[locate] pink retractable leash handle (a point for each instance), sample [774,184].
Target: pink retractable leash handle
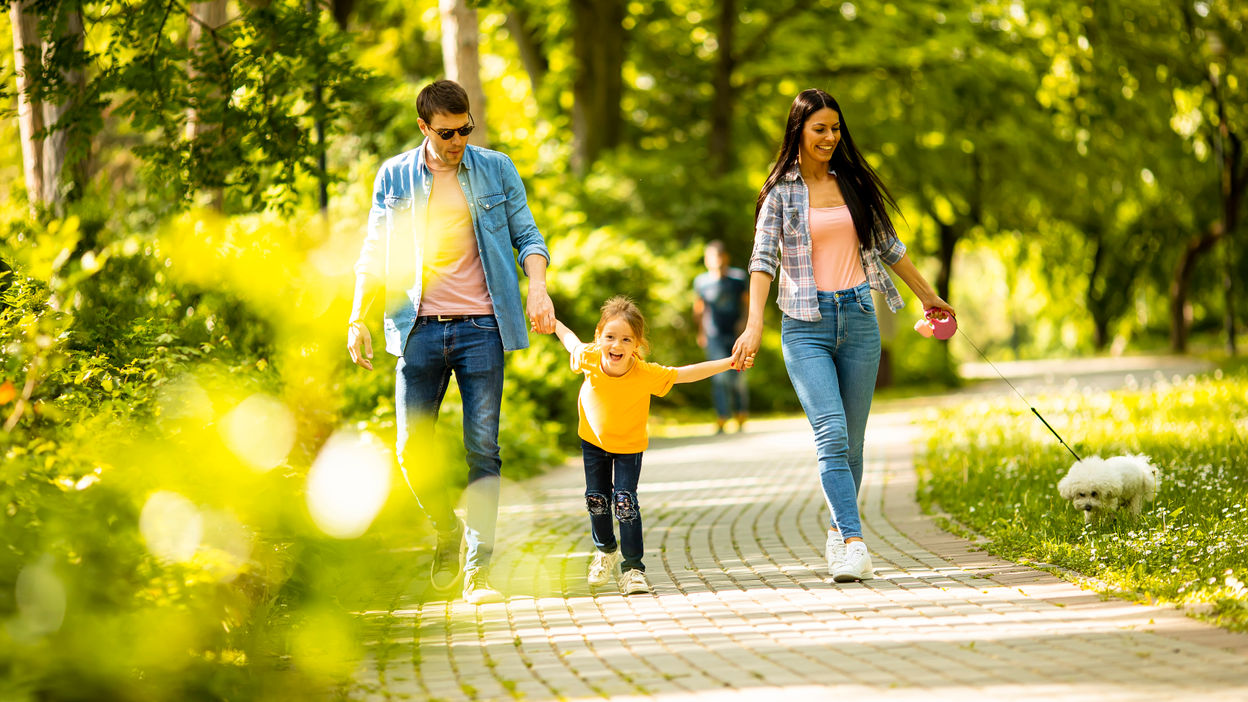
[938,323]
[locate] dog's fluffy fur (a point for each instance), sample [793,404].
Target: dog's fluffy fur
[1100,487]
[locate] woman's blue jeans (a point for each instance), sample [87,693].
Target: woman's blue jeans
[473,350]
[833,364]
[611,480]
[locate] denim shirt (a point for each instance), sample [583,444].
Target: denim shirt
[782,240]
[501,221]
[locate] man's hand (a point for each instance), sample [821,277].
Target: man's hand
[360,345]
[541,310]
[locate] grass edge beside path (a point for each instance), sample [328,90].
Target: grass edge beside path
[993,469]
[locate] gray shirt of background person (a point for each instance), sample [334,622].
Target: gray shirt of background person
[722,300]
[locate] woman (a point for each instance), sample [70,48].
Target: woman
[821,219]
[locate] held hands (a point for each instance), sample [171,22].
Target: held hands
[745,348]
[541,310]
[360,344]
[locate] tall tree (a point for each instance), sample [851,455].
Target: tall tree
[27,58]
[461,54]
[599,43]
[206,52]
[48,43]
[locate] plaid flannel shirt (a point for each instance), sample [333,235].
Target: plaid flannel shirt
[782,240]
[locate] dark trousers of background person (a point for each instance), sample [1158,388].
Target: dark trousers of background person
[728,390]
[611,481]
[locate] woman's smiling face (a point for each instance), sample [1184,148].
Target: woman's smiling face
[820,136]
[618,342]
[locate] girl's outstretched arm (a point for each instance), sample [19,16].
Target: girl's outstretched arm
[566,336]
[697,371]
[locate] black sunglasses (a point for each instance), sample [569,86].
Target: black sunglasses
[464,131]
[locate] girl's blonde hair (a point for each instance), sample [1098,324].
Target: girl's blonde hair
[621,307]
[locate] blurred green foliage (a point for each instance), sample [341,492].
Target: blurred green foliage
[187,365]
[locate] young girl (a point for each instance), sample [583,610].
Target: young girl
[614,404]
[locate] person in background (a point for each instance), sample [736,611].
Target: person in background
[721,297]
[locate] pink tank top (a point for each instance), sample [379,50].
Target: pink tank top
[454,279]
[834,249]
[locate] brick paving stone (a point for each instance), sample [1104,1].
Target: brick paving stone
[743,607]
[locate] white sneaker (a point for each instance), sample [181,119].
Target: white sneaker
[602,567]
[633,582]
[477,589]
[834,550]
[856,566]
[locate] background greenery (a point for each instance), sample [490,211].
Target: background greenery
[172,309]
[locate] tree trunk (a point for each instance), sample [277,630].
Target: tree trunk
[201,131]
[57,184]
[530,48]
[461,57]
[27,57]
[723,156]
[1232,197]
[1181,284]
[1095,301]
[205,18]
[598,42]
[949,236]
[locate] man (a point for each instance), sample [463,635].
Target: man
[719,306]
[444,221]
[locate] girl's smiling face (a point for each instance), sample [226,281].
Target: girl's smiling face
[618,342]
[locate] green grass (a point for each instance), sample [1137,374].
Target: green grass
[992,466]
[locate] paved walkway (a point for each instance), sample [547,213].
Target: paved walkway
[743,609]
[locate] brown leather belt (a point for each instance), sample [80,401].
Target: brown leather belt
[448,317]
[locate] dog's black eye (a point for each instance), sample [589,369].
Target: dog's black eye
[1081,494]
[1094,493]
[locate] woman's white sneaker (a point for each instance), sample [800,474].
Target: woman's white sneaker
[834,550]
[856,566]
[602,567]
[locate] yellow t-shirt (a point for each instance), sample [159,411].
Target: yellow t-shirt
[614,410]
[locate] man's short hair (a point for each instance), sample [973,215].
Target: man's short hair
[715,244]
[445,96]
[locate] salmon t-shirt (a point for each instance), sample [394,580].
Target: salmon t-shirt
[454,279]
[613,409]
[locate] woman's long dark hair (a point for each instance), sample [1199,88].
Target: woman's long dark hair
[864,192]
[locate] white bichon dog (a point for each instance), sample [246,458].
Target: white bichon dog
[1099,487]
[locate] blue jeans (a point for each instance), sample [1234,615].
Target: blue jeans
[728,390]
[473,350]
[616,475]
[833,364]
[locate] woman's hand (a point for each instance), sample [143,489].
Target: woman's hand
[746,347]
[935,302]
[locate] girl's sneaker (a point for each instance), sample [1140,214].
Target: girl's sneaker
[633,582]
[602,567]
[856,566]
[834,550]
